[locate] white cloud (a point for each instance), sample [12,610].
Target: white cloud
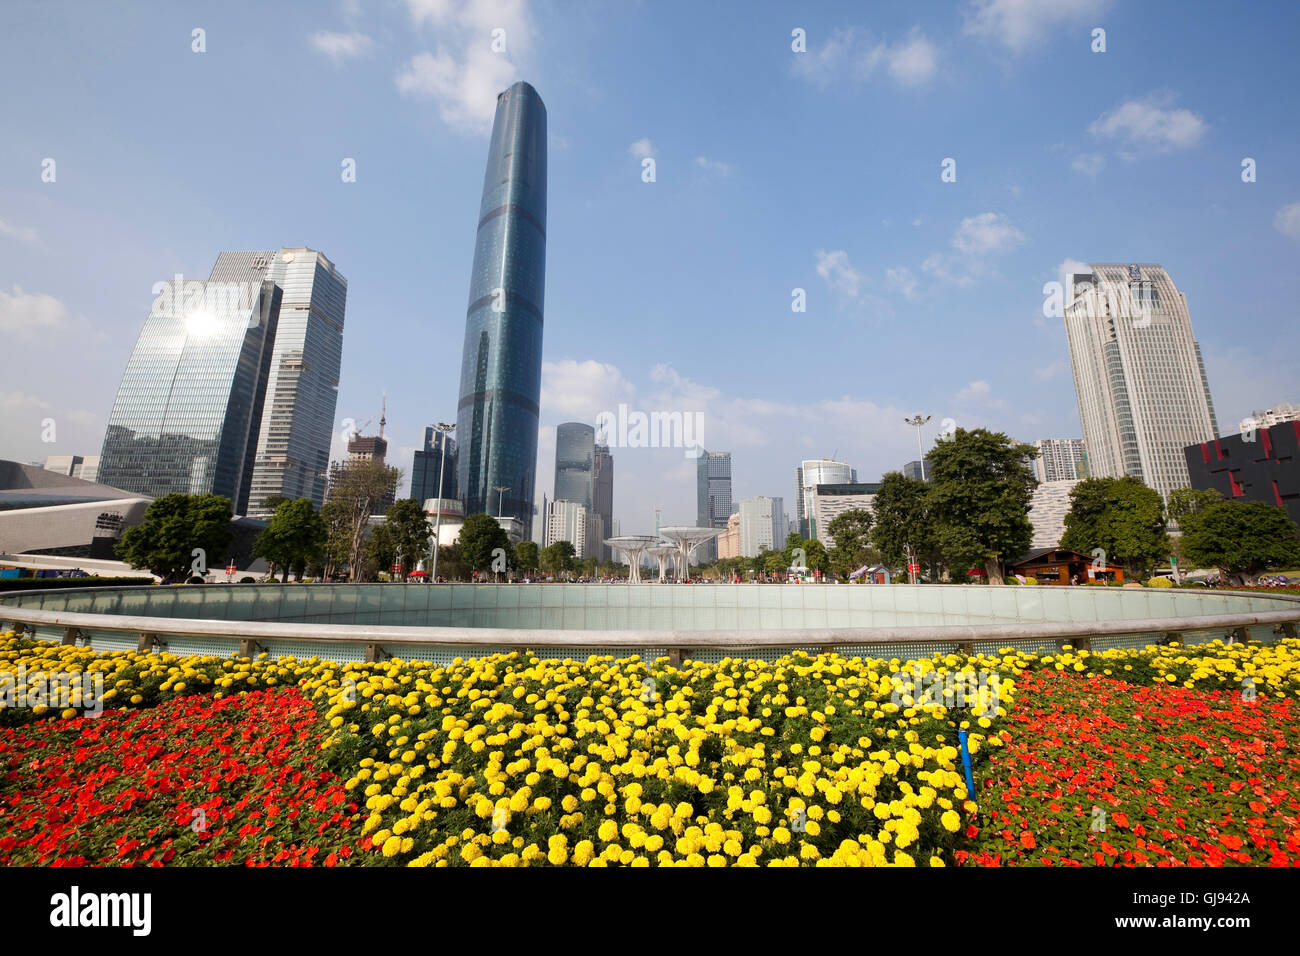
[979,394]
[1090,164]
[985,234]
[642,148]
[1151,123]
[340,46]
[21,233]
[23,313]
[1287,220]
[1021,24]
[712,165]
[914,60]
[1049,372]
[464,75]
[838,272]
[1070,267]
[579,391]
[975,240]
[902,280]
[847,54]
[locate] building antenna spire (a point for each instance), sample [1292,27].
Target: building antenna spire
[383,413]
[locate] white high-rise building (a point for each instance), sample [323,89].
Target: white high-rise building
[1047,510]
[567,521]
[761,522]
[810,474]
[1285,412]
[1061,459]
[1138,374]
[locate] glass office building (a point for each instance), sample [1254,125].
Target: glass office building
[501,366]
[215,400]
[575,460]
[302,387]
[429,468]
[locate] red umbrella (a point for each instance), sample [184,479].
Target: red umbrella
[979,572]
[417,574]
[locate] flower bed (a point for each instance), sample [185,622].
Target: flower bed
[1098,772]
[194,781]
[517,761]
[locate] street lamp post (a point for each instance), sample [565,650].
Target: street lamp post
[445,430]
[919,421]
[500,490]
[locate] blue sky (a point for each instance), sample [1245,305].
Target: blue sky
[775,170]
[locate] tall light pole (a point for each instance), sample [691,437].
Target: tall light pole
[500,490]
[919,421]
[444,429]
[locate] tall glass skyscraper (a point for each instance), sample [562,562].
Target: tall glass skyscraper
[231,387]
[1138,374]
[712,497]
[575,463]
[429,469]
[501,366]
[302,386]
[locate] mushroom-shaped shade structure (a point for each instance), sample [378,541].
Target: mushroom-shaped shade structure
[687,539]
[632,546]
[661,552]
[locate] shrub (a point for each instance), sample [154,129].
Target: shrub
[1031,580]
[1160,582]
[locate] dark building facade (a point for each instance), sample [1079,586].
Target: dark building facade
[429,469]
[501,365]
[1266,469]
[603,498]
[575,463]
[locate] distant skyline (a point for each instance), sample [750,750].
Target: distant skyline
[774,171]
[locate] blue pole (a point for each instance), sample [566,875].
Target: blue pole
[965,762]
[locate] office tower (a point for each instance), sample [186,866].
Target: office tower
[575,478]
[831,501]
[293,442]
[567,521]
[433,466]
[918,470]
[1047,510]
[603,499]
[1061,459]
[810,474]
[761,522]
[1138,374]
[231,387]
[188,410]
[729,540]
[712,498]
[501,365]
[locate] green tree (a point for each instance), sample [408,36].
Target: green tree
[775,562]
[379,552]
[1185,501]
[451,564]
[409,530]
[481,540]
[981,483]
[851,532]
[294,538]
[558,558]
[356,489]
[177,531]
[903,519]
[527,556]
[1122,517]
[1241,538]
[338,537]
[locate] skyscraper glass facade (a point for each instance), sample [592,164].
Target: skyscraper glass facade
[575,463]
[293,442]
[231,387]
[501,365]
[429,469]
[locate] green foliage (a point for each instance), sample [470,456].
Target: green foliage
[1159,582]
[851,532]
[356,490]
[1123,517]
[1185,501]
[527,556]
[558,558]
[902,517]
[174,526]
[408,530]
[981,483]
[1242,538]
[774,562]
[294,538]
[480,537]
